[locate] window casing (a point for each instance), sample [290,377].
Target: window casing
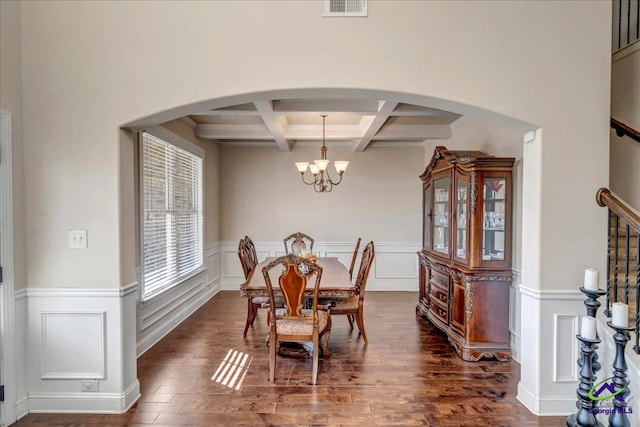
[172,217]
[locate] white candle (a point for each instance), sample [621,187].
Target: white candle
[620,314]
[591,279]
[588,329]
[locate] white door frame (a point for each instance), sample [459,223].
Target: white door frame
[7,317]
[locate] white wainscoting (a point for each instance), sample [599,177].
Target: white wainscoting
[549,322]
[21,394]
[395,266]
[158,316]
[66,336]
[87,341]
[514,315]
[74,335]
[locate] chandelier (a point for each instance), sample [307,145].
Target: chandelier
[322,182]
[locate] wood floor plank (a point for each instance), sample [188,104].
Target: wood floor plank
[408,375]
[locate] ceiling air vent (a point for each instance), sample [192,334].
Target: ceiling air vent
[345,8]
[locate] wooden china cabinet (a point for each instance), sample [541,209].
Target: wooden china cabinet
[465,261]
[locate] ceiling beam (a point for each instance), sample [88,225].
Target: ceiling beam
[211,131]
[414,132]
[276,124]
[292,107]
[371,125]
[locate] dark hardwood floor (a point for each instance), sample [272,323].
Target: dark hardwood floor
[407,375]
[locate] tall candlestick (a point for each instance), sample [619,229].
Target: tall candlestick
[620,315]
[588,329]
[591,279]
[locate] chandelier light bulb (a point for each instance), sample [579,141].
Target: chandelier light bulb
[322,164]
[341,166]
[302,166]
[314,168]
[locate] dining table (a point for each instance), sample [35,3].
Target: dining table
[334,283]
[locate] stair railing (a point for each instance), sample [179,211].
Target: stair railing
[623,234]
[622,130]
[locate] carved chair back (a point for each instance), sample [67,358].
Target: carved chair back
[292,283]
[246,253]
[353,259]
[365,266]
[296,242]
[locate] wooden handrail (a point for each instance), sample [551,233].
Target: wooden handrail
[622,130]
[604,197]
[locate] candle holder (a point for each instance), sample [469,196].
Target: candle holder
[593,305]
[585,416]
[619,417]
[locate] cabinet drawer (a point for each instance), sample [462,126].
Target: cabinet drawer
[439,311]
[440,279]
[440,294]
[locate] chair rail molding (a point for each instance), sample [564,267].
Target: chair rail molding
[395,266]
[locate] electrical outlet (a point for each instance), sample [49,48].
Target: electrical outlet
[90,386]
[77,239]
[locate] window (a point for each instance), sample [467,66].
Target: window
[171,209]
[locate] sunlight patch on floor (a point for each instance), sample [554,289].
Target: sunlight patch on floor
[232,369]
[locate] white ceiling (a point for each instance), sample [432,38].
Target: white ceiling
[359,123]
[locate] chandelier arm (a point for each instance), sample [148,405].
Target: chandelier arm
[303,180]
[332,181]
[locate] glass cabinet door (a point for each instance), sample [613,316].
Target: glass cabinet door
[441,215]
[493,219]
[426,239]
[462,219]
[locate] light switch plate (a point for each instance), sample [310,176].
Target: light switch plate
[77,239]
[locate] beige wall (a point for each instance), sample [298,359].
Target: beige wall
[625,107]
[264,197]
[90,67]
[11,100]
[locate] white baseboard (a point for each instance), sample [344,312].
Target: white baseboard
[84,403]
[22,406]
[547,405]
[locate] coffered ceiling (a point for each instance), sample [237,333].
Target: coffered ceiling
[358,123]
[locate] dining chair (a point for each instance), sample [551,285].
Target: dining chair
[297,242]
[353,258]
[293,323]
[353,307]
[249,260]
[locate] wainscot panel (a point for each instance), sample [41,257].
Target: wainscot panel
[76,336]
[158,316]
[550,317]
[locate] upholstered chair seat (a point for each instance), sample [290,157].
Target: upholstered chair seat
[350,303]
[289,326]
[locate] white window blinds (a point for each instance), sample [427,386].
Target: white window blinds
[172,214]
